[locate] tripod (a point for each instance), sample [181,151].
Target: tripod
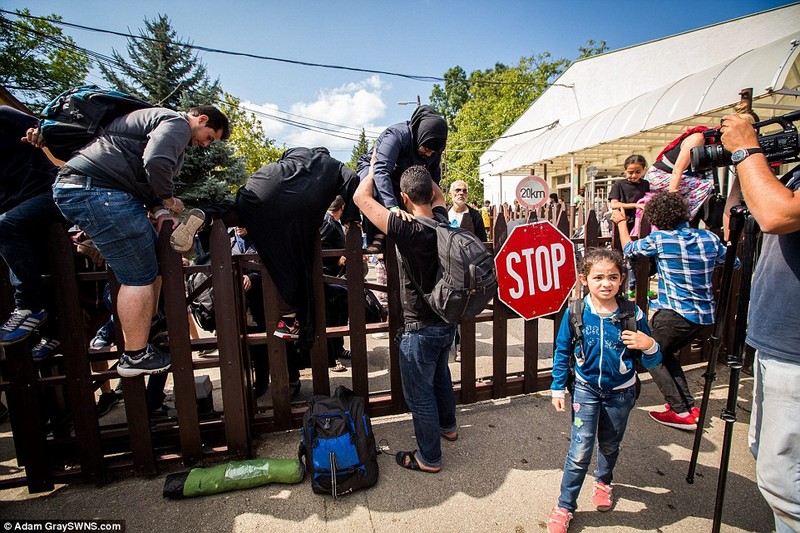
[740,221]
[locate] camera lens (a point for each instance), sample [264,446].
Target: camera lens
[708,157]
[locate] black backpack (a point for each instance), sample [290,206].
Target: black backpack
[626,318]
[78,115]
[466,280]
[338,445]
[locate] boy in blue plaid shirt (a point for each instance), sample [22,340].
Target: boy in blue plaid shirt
[685,258]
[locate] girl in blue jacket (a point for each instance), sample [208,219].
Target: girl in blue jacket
[605,381]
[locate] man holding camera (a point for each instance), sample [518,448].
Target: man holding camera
[773,329]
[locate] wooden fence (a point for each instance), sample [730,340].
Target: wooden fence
[56,432]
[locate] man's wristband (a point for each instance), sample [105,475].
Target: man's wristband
[161,212]
[394,209]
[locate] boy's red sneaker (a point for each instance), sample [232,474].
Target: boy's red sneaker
[694,410]
[602,497]
[672,419]
[558,521]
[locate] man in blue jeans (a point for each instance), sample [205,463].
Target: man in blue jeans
[113,187]
[26,213]
[426,339]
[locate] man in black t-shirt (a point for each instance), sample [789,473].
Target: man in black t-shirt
[426,339]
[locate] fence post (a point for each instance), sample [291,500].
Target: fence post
[499,325]
[395,323]
[77,367]
[231,368]
[319,350]
[173,288]
[357,312]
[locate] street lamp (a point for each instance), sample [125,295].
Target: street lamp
[416,103]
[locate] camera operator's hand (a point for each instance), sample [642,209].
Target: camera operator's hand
[738,132]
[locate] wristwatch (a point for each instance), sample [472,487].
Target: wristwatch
[743,153]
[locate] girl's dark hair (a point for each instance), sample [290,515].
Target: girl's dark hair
[634,160]
[592,256]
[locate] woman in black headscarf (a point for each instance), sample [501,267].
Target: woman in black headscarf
[418,141]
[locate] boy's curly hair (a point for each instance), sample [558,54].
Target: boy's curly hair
[666,210]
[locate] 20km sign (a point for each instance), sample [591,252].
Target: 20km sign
[532,192]
[535,270]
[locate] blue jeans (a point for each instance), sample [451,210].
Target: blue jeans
[23,239]
[118,224]
[428,388]
[599,414]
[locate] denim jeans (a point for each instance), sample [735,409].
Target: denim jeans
[774,437]
[600,415]
[428,387]
[672,332]
[118,224]
[23,240]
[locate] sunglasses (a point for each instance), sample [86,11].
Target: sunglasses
[460,190]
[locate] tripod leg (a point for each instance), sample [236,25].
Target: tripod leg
[736,227]
[735,362]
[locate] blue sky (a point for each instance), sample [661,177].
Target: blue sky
[418,37]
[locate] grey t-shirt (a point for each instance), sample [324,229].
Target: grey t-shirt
[774,322]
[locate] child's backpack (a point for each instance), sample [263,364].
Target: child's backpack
[338,445]
[627,319]
[466,280]
[78,115]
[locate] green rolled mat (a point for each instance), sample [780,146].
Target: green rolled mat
[235,475]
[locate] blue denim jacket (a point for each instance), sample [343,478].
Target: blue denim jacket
[606,362]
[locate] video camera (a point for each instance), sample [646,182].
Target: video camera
[782,146]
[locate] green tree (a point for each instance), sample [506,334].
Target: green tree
[449,100]
[162,70]
[248,138]
[358,150]
[496,98]
[479,108]
[37,61]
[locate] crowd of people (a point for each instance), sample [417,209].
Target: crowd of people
[120,188]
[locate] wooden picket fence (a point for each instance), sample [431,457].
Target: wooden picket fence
[56,432]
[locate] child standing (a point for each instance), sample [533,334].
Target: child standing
[627,194]
[605,382]
[685,258]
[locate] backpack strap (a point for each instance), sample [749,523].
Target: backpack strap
[576,326]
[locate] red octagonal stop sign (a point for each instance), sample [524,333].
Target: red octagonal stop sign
[535,270]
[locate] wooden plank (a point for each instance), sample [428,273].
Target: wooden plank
[357,312]
[468,361]
[173,288]
[276,349]
[319,351]
[395,324]
[77,367]
[229,324]
[531,355]
[499,327]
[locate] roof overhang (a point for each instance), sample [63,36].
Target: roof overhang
[654,118]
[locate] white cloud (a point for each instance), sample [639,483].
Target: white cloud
[335,117]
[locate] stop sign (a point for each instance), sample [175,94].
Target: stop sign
[535,270]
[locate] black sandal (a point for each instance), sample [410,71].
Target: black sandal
[412,463]
[377,244]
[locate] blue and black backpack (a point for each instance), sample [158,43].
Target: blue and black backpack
[78,115]
[338,445]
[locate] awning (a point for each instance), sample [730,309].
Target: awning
[653,119]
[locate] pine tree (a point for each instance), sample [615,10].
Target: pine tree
[161,69]
[359,149]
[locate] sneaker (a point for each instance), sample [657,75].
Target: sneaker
[672,419]
[153,361]
[558,521]
[20,324]
[602,497]
[288,330]
[694,410]
[45,348]
[182,238]
[99,342]
[106,401]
